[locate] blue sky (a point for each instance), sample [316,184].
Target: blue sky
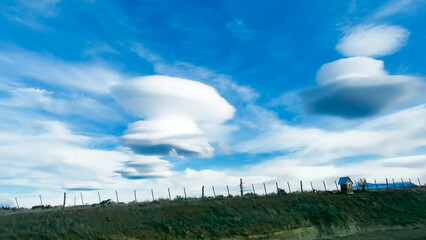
[106,95]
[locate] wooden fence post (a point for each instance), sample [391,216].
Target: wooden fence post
[252,185]
[17,204]
[403,185]
[387,184]
[289,189]
[264,186]
[394,186]
[241,187]
[411,184]
[277,186]
[184,192]
[325,187]
[214,193]
[116,195]
[170,196]
[152,193]
[377,187]
[41,201]
[202,192]
[419,182]
[136,199]
[65,197]
[227,188]
[336,186]
[312,186]
[81,196]
[99,196]
[301,186]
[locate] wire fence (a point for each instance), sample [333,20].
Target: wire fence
[74,198]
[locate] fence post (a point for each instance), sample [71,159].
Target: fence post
[152,193]
[277,186]
[81,196]
[301,186]
[336,186]
[419,182]
[214,193]
[387,184]
[184,192]
[116,195]
[202,192]
[170,196]
[411,184]
[99,196]
[227,188]
[264,186]
[394,186]
[289,190]
[17,204]
[376,184]
[136,199]
[252,185]
[325,188]
[366,184]
[403,185]
[41,201]
[312,186]
[65,197]
[241,187]
[75,200]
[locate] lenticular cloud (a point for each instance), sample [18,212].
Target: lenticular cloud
[359,87]
[372,40]
[172,108]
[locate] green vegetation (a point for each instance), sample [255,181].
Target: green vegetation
[290,216]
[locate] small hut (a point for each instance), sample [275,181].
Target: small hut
[346,185]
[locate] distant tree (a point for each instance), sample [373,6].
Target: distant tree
[362,182]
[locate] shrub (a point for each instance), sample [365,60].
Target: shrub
[362,182]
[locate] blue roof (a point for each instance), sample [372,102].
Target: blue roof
[343,180]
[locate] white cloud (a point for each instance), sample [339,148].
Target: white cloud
[166,133]
[175,110]
[354,68]
[18,64]
[372,40]
[48,154]
[223,83]
[360,87]
[146,167]
[162,95]
[393,7]
[30,13]
[77,104]
[392,135]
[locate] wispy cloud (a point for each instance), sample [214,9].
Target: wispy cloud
[372,40]
[31,13]
[390,135]
[63,105]
[19,64]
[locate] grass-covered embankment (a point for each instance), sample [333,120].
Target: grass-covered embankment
[308,215]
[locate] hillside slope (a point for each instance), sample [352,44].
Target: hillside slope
[291,216]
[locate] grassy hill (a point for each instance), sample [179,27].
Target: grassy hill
[291,216]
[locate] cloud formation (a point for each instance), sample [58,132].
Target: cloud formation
[359,87]
[177,113]
[21,65]
[391,135]
[83,186]
[145,167]
[372,40]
